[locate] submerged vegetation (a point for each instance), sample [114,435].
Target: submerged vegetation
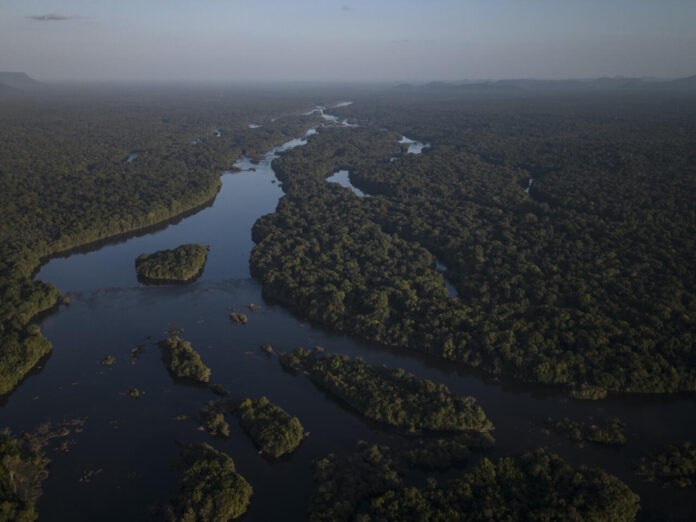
[612,434]
[181,264]
[210,489]
[273,430]
[183,361]
[22,470]
[675,465]
[390,396]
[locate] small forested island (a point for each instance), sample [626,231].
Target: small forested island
[183,361]
[181,264]
[612,434]
[674,465]
[210,489]
[273,430]
[22,470]
[534,486]
[212,418]
[390,396]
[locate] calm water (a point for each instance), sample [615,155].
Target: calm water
[130,443]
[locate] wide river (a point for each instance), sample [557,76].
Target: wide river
[121,467]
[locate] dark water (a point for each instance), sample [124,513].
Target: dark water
[130,443]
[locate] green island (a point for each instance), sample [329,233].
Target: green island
[238,318]
[210,489]
[212,418]
[390,396]
[22,470]
[183,361]
[674,465]
[534,486]
[274,431]
[63,185]
[181,264]
[612,434]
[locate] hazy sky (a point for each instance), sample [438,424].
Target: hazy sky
[361,40]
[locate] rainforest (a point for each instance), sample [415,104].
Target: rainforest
[494,288]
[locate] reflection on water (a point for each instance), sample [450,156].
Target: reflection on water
[342,178]
[414,147]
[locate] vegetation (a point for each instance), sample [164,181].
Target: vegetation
[342,483]
[238,318]
[675,465]
[586,281]
[219,389]
[108,360]
[273,430]
[181,264]
[390,396]
[22,470]
[213,419]
[612,434]
[535,486]
[63,181]
[183,361]
[438,453]
[210,489]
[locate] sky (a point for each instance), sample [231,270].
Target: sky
[346,40]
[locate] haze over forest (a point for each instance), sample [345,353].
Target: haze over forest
[345,40]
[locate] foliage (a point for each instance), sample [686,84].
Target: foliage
[212,418]
[586,280]
[390,396]
[345,482]
[535,486]
[675,465]
[612,434]
[22,470]
[183,361]
[273,430]
[210,489]
[440,453]
[238,318]
[183,263]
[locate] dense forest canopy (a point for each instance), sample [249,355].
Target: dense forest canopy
[210,489]
[534,486]
[22,470]
[587,279]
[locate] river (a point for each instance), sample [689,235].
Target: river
[128,444]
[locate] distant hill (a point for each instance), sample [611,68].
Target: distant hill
[529,83]
[19,80]
[682,83]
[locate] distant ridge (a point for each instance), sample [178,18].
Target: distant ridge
[19,80]
[525,83]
